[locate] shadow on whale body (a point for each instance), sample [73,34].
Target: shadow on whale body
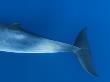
[20,41]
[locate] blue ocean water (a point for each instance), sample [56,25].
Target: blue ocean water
[59,20]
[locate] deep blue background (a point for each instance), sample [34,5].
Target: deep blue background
[59,20]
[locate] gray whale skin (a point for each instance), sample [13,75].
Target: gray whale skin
[15,39]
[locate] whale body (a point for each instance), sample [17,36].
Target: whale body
[15,39]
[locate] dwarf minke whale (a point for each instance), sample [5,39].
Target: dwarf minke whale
[15,39]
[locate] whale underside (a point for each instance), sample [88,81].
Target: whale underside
[13,38]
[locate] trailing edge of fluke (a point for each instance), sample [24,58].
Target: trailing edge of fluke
[84,54]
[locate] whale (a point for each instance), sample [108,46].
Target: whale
[15,39]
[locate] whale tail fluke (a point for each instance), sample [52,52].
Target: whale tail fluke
[83,54]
